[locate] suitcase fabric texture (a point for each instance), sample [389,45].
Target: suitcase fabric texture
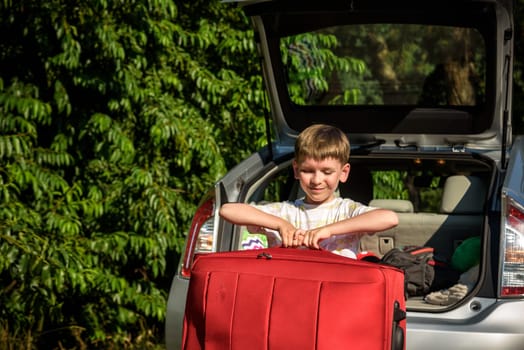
[283,298]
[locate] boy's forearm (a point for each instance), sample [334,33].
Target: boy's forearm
[245,214]
[372,221]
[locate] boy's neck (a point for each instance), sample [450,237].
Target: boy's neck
[311,202]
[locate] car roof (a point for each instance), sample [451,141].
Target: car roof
[483,126]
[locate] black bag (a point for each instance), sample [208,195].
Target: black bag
[418,266]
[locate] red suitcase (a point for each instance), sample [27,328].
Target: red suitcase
[281,298]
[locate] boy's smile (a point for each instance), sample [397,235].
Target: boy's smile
[319,178]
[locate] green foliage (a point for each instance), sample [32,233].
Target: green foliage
[390,184]
[115,119]
[310,59]
[401,185]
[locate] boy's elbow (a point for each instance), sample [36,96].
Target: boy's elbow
[388,218]
[393,219]
[231,211]
[224,210]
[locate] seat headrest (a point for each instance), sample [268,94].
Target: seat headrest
[397,205]
[463,195]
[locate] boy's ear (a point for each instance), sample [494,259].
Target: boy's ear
[346,168]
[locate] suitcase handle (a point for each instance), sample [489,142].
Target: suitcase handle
[398,341]
[266,255]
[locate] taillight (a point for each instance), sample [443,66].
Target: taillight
[513,249]
[200,236]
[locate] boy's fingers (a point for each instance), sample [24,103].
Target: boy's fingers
[288,239]
[297,238]
[312,240]
[307,238]
[300,238]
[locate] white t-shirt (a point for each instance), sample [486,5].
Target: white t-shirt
[310,216]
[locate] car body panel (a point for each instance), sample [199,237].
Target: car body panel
[514,180]
[481,323]
[176,306]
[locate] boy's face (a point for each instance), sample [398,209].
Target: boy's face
[319,178]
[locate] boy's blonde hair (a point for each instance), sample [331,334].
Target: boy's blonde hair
[320,142]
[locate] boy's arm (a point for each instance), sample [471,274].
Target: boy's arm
[375,220]
[371,221]
[245,214]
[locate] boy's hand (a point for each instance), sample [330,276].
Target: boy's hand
[311,238]
[287,232]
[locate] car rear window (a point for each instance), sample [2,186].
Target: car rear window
[385,64]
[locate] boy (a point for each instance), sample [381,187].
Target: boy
[320,220]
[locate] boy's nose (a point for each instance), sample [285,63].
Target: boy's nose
[317,177]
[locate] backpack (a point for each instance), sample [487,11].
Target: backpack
[418,266]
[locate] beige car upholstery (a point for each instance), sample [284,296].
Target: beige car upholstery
[461,216]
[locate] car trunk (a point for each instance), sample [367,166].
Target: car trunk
[444,202]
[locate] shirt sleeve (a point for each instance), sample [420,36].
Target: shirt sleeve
[356,208]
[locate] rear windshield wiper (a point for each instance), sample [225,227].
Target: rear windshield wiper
[363,148]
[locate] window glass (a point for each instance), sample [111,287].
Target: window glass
[385,64]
